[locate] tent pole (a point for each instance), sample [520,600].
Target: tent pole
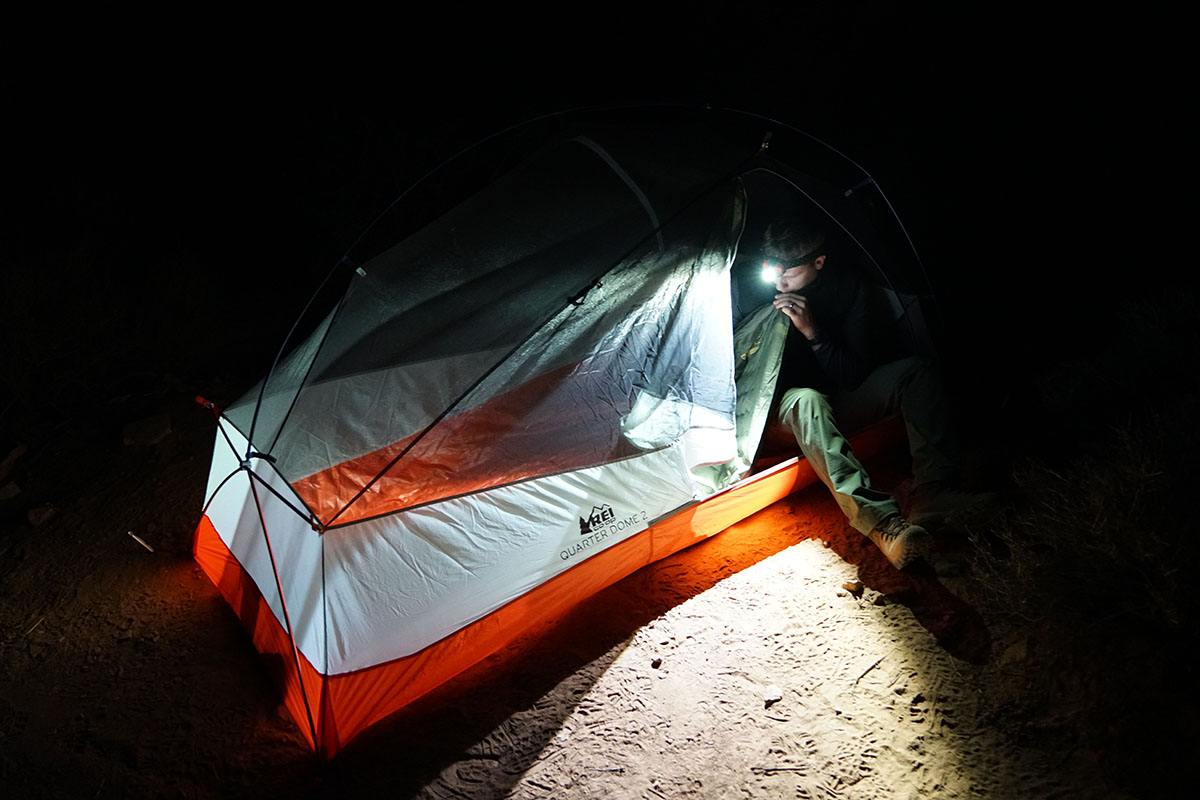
[286,617]
[306,513]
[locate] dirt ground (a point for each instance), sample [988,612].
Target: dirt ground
[783,658]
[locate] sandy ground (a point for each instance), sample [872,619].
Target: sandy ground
[783,658]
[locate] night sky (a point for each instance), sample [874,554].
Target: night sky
[169,207]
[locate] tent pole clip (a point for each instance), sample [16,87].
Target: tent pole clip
[865,182]
[255,454]
[345,261]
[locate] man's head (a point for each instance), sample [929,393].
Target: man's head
[793,254]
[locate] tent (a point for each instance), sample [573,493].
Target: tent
[522,396]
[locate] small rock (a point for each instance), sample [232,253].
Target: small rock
[1014,654]
[772,695]
[39,516]
[854,587]
[882,600]
[9,490]
[656,663]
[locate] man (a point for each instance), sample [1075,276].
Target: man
[837,374]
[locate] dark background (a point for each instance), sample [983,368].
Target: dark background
[172,201]
[174,187]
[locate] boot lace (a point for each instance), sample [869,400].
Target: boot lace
[893,527]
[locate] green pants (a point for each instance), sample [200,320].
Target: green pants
[911,387]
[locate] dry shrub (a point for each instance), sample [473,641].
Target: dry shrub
[1104,539]
[1096,559]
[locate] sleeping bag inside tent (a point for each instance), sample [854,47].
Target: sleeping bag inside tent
[521,401]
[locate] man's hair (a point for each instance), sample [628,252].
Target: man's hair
[793,239]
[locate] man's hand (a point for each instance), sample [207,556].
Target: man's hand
[795,307]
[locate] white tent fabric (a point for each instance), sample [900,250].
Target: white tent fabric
[291,541]
[387,586]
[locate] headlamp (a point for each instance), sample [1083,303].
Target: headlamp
[772,268]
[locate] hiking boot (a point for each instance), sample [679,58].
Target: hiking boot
[901,541]
[935,502]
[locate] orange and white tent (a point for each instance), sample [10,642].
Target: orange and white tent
[516,405]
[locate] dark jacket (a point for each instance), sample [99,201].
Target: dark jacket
[852,335]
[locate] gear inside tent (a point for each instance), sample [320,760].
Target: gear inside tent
[524,395]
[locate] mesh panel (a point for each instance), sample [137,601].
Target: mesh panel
[285,384]
[655,332]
